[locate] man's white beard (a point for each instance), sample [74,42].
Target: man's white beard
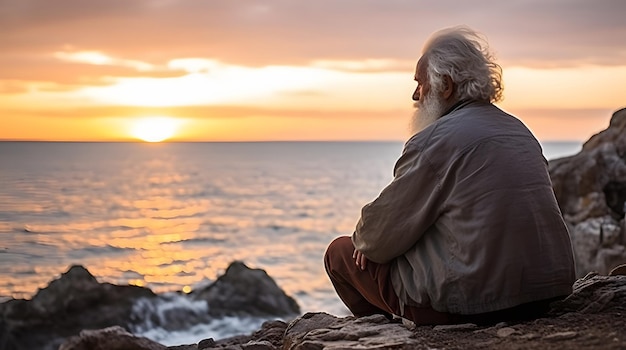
[429,109]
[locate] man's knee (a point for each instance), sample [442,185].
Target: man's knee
[337,250]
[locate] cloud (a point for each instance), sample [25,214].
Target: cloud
[13,87]
[294,32]
[67,70]
[197,112]
[66,45]
[365,65]
[100,59]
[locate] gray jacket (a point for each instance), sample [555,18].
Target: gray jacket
[470,223]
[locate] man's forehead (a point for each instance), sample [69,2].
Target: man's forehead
[420,68]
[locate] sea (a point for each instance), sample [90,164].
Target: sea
[172,216]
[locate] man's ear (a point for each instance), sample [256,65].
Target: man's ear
[448,87]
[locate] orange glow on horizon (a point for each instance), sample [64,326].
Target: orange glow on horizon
[327,100]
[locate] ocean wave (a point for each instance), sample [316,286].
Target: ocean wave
[168,311]
[201,240]
[219,328]
[174,319]
[105,250]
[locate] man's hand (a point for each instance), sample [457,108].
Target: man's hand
[359,259]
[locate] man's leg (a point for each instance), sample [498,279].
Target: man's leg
[369,291]
[358,289]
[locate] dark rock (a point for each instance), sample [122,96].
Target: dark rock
[69,304]
[258,345]
[618,270]
[455,327]
[245,291]
[206,343]
[591,190]
[271,331]
[593,294]
[184,347]
[270,335]
[112,338]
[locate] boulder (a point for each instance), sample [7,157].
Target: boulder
[269,337]
[69,304]
[112,338]
[598,244]
[244,291]
[592,183]
[591,190]
[593,294]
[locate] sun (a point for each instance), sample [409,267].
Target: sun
[154,129]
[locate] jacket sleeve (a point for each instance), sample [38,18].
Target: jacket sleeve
[404,210]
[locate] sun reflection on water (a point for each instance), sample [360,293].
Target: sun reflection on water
[173,217]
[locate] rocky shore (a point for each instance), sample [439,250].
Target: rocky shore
[592,317]
[76,312]
[76,301]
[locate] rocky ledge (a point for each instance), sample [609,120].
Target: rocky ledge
[591,190]
[592,317]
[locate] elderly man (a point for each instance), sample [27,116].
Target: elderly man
[469,229]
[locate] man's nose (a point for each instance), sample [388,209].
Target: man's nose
[416,95]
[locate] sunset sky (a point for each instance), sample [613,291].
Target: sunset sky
[237,70]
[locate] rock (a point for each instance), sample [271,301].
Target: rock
[245,291]
[592,294]
[591,190]
[206,343]
[561,336]
[258,345]
[69,304]
[505,332]
[184,347]
[112,338]
[530,336]
[598,244]
[456,327]
[618,270]
[324,331]
[271,333]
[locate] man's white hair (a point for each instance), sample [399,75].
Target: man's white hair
[463,54]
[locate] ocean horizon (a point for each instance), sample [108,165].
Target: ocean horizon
[172,216]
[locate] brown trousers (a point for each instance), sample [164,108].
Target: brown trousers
[367,292]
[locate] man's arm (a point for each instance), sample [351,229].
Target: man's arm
[396,220]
